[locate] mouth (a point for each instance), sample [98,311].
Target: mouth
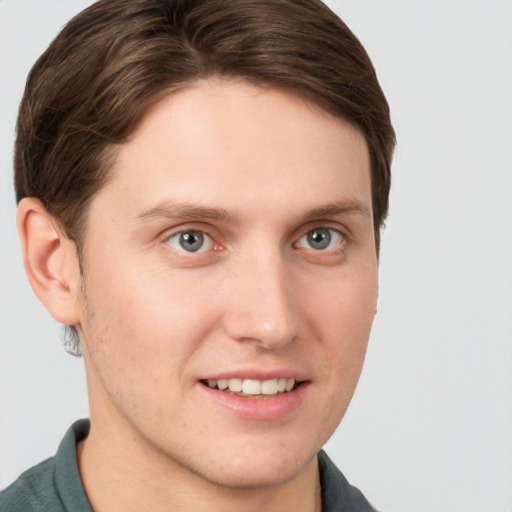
[252,387]
[254,399]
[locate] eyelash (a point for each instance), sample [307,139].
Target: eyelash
[331,234]
[197,232]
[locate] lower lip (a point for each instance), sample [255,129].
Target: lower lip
[259,408]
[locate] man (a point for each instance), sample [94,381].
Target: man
[201,187]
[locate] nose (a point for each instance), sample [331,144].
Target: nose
[262,304]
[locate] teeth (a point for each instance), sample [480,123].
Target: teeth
[269,387]
[253,386]
[235,385]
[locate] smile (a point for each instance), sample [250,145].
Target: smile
[257,399]
[252,387]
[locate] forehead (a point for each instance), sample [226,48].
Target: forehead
[234,144]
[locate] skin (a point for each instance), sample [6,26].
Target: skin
[255,171]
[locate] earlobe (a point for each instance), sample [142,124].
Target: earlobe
[50,261]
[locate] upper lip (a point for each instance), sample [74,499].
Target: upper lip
[258,374]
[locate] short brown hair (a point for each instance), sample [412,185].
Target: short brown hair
[90,88]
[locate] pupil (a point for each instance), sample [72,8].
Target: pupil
[319,238]
[191,241]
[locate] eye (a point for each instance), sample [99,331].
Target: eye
[321,239]
[190,241]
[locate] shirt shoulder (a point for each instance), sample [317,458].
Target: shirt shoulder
[337,494]
[54,485]
[33,491]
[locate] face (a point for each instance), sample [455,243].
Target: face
[230,283]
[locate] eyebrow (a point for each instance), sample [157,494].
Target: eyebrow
[343,207]
[185,210]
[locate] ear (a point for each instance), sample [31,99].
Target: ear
[50,259]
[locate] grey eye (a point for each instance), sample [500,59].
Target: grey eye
[320,239]
[190,241]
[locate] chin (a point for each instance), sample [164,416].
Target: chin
[249,474]
[261,467]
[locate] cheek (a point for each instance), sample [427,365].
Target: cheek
[342,315]
[140,334]
[347,301]
[145,320]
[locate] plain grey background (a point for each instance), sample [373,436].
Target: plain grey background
[430,425]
